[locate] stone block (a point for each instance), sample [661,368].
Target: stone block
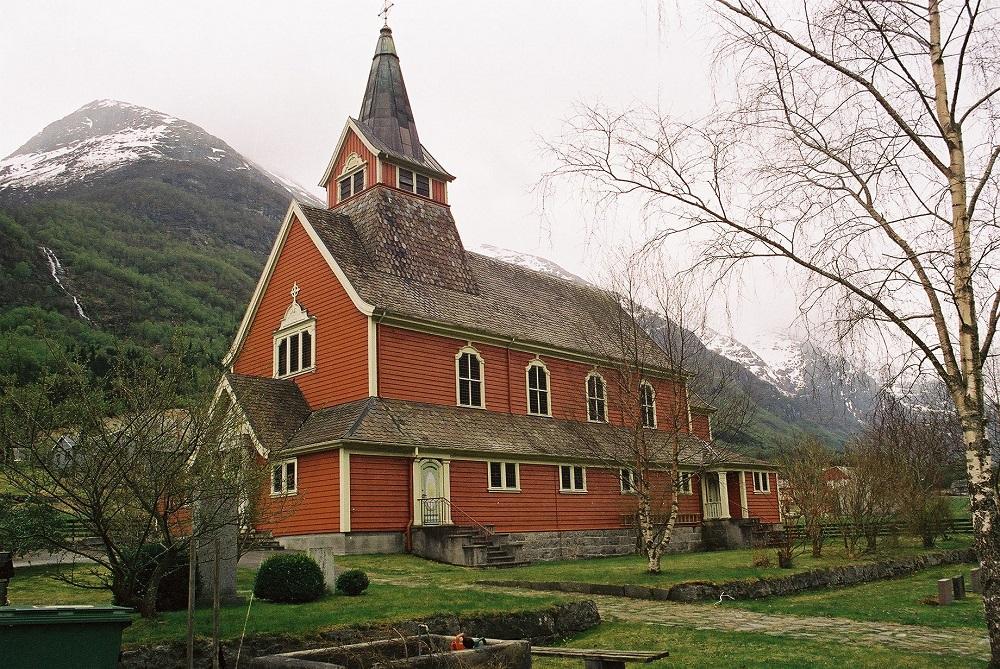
[976,580]
[946,591]
[958,586]
[324,557]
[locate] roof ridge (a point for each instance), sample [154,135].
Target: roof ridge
[365,410]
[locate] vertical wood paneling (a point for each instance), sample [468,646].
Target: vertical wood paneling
[341,372]
[380,493]
[439,191]
[315,507]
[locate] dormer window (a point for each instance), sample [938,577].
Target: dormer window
[294,341]
[414,182]
[352,184]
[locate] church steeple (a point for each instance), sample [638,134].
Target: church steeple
[381,147]
[385,109]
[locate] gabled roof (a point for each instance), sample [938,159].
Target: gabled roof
[275,408]
[389,422]
[403,255]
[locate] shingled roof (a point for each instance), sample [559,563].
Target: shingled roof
[275,408]
[403,254]
[402,423]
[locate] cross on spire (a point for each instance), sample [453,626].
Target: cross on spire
[386,6]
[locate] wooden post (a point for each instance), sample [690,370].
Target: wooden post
[976,580]
[946,591]
[192,580]
[958,586]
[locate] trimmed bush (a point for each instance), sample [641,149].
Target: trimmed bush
[352,582]
[289,577]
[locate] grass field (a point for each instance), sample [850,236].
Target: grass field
[698,648]
[405,587]
[895,600]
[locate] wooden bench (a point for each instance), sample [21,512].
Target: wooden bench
[594,658]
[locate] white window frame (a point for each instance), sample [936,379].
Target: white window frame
[684,486]
[503,476]
[285,488]
[624,473]
[281,335]
[573,480]
[350,175]
[761,482]
[430,182]
[469,350]
[548,388]
[604,399]
[642,405]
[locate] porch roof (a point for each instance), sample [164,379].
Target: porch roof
[396,423]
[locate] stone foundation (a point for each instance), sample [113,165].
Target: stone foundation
[351,543]
[575,544]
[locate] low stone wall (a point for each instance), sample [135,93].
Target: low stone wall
[575,544]
[693,591]
[540,626]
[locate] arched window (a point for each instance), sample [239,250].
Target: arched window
[469,378]
[597,399]
[647,404]
[538,389]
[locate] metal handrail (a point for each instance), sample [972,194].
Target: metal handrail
[452,508]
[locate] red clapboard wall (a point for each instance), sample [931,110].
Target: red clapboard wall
[341,371]
[380,493]
[763,505]
[315,507]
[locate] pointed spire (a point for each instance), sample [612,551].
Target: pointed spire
[385,109]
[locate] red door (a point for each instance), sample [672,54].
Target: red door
[733,490]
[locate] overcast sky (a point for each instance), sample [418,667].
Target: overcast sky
[276,80]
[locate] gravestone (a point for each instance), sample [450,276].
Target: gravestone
[958,586]
[225,537]
[946,591]
[976,580]
[324,557]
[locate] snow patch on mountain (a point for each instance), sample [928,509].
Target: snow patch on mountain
[107,135]
[740,353]
[532,262]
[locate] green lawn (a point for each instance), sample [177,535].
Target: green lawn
[895,600]
[382,602]
[718,566]
[697,648]
[960,507]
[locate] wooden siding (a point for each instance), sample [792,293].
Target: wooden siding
[439,191]
[700,425]
[763,505]
[539,506]
[352,144]
[341,365]
[420,367]
[380,493]
[733,492]
[315,507]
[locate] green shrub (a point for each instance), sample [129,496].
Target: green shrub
[289,577]
[352,582]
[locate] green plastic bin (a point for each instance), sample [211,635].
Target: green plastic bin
[54,637]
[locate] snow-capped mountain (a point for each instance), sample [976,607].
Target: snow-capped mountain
[106,136]
[533,262]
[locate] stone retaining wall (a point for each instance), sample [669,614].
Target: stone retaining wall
[575,544]
[694,591]
[541,626]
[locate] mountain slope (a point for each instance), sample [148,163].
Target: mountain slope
[122,228]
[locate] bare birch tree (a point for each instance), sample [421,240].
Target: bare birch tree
[804,465]
[862,150]
[653,323]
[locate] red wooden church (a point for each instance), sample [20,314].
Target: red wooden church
[412,395]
